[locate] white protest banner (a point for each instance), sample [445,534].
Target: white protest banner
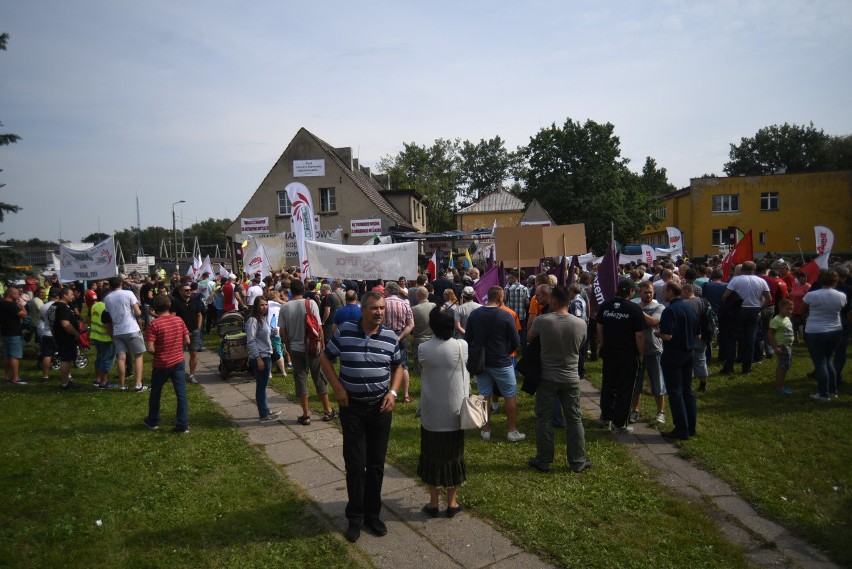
[360,262]
[824,242]
[648,254]
[95,263]
[302,218]
[255,260]
[303,168]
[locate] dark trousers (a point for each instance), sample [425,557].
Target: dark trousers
[746,331]
[677,373]
[620,371]
[210,318]
[365,442]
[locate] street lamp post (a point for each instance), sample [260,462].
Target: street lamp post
[174,235]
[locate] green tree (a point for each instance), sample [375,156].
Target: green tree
[577,173]
[791,149]
[485,166]
[434,172]
[8,257]
[95,237]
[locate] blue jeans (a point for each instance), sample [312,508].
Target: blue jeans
[677,373]
[840,351]
[821,346]
[159,377]
[261,379]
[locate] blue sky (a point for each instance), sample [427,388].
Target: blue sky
[196,100]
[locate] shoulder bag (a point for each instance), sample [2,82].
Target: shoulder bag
[473,413]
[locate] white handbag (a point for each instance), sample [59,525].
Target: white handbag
[474,408]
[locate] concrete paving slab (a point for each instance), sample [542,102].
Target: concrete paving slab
[395,480]
[334,455]
[271,434]
[242,411]
[402,547]
[525,560]
[314,472]
[325,438]
[735,506]
[316,423]
[289,452]
[766,529]
[331,499]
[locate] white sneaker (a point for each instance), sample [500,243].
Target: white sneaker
[818,397]
[622,430]
[515,436]
[486,435]
[634,417]
[661,418]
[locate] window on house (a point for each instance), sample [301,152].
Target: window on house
[762,238]
[726,203]
[719,237]
[328,200]
[660,212]
[284,205]
[769,201]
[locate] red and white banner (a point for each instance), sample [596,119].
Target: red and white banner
[95,263]
[255,260]
[254,225]
[824,242]
[302,218]
[675,241]
[648,254]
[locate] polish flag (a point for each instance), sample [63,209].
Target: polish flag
[432,267]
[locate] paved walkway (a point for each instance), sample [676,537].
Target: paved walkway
[312,457]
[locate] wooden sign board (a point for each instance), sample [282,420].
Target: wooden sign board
[525,246]
[564,240]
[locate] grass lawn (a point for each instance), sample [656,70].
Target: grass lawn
[614,515]
[206,499]
[790,457]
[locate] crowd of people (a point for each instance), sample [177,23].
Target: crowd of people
[663,323]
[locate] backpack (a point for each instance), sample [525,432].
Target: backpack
[709,323]
[313,331]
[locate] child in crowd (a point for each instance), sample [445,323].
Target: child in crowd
[165,338]
[781,340]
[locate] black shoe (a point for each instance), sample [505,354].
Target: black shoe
[353,532]
[376,526]
[150,425]
[674,435]
[180,430]
[538,465]
[430,511]
[726,371]
[587,464]
[451,512]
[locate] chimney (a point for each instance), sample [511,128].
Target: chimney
[345,154]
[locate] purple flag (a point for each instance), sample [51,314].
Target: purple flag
[572,270]
[559,271]
[606,279]
[490,278]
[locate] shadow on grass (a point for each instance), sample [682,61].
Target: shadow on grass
[747,398]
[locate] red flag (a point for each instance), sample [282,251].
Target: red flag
[812,270]
[432,267]
[743,251]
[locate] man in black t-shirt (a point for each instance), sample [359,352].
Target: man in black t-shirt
[66,333]
[189,308]
[620,329]
[11,311]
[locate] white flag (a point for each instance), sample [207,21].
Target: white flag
[206,267]
[223,272]
[824,243]
[302,218]
[648,254]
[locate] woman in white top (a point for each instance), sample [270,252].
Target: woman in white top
[823,330]
[444,383]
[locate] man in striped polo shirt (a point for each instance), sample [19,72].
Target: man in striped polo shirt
[365,390]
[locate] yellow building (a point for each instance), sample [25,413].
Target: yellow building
[778,209]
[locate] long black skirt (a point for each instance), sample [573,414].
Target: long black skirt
[442,458]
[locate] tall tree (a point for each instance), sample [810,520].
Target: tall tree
[434,172]
[577,173]
[791,149]
[8,257]
[485,166]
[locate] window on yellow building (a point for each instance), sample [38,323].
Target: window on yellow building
[769,201]
[726,203]
[761,237]
[719,237]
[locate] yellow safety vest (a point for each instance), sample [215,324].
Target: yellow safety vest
[98,330]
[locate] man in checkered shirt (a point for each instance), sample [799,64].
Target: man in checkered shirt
[400,319]
[518,299]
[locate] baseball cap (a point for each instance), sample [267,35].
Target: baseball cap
[624,285]
[379,288]
[468,292]
[232,277]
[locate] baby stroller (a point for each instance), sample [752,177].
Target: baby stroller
[83,346]
[233,351]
